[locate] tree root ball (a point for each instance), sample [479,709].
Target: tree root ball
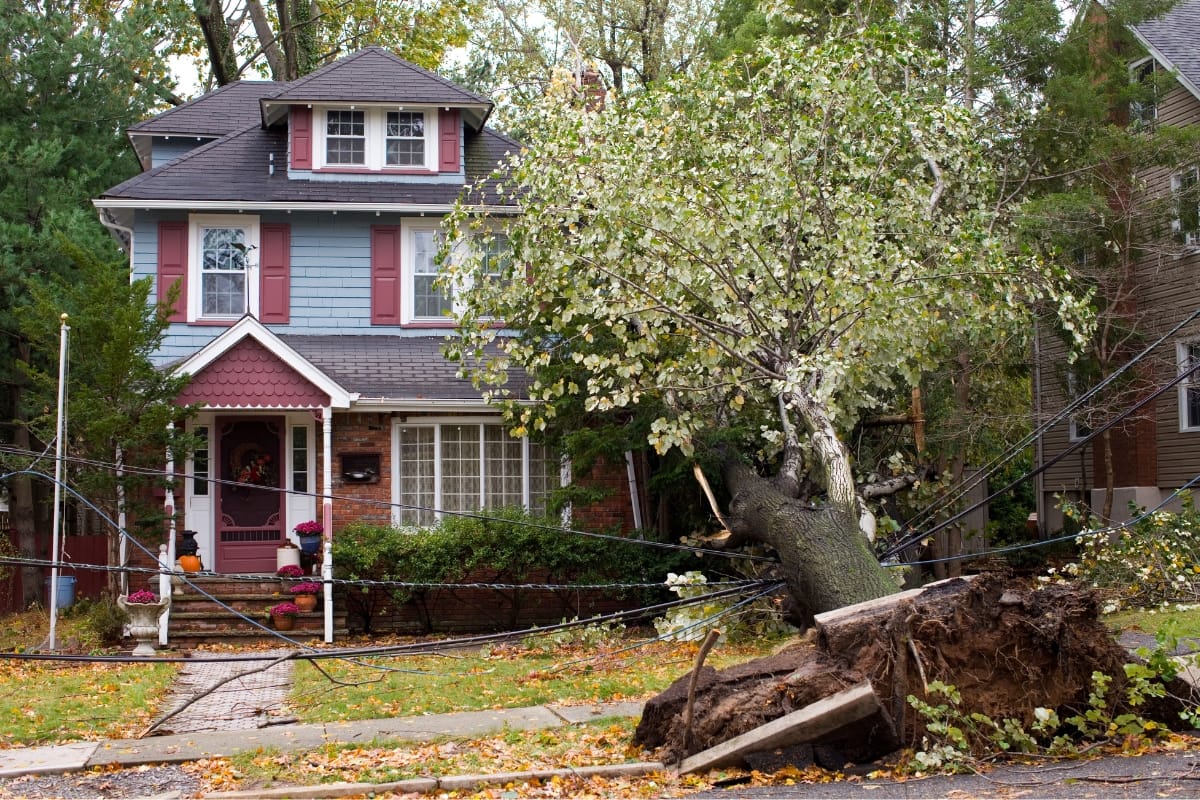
[1007,646]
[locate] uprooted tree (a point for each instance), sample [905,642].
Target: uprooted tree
[777,244]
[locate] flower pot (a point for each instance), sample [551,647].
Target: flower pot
[310,543]
[143,622]
[305,602]
[283,622]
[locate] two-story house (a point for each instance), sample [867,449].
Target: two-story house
[1156,450]
[298,224]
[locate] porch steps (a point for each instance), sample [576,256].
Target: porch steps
[195,619]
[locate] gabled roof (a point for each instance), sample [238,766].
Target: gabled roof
[1174,41]
[375,75]
[238,169]
[249,327]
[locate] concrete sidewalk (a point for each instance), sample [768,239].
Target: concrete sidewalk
[213,744]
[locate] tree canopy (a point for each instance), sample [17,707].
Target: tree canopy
[787,237]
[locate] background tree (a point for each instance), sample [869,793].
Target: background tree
[785,240]
[74,75]
[290,38]
[120,406]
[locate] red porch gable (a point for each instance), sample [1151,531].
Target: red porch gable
[250,375]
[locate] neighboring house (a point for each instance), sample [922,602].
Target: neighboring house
[1157,450]
[300,223]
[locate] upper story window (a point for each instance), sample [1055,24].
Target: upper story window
[430,301]
[223,264]
[1143,107]
[1185,189]
[346,137]
[405,142]
[1189,387]
[377,139]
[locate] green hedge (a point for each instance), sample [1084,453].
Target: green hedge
[505,546]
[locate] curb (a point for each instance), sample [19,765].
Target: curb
[458,783]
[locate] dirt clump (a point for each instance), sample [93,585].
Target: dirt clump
[1007,646]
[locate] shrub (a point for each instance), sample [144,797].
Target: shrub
[1154,561]
[502,546]
[290,571]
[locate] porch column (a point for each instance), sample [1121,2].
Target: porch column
[327,516]
[166,553]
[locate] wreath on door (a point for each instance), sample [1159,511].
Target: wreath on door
[251,466]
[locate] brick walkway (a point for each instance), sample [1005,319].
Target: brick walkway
[248,702]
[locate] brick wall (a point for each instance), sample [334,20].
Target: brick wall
[357,436]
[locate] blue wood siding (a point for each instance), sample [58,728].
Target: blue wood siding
[330,277]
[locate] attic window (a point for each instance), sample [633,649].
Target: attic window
[376,139]
[345,137]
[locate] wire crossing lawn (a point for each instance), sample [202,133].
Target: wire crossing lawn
[502,677]
[47,702]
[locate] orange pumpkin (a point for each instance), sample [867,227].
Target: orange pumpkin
[190,563]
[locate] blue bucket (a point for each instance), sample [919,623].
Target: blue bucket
[66,591]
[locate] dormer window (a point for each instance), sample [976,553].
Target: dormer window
[377,139]
[406,138]
[346,138]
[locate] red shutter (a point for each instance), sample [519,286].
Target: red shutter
[448,127]
[300,122]
[274,273]
[385,275]
[172,265]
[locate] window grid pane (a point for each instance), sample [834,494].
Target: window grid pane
[545,475]
[502,460]
[345,137]
[415,466]
[405,139]
[223,270]
[460,468]
[299,459]
[200,463]
[428,299]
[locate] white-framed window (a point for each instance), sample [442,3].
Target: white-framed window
[465,465]
[345,136]
[222,266]
[428,300]
[1188,355]
[375,138]
[497,258]
[1185,192]
[1143,108]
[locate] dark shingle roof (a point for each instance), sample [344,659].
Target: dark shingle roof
[225,110]
[376,75]
[395,368]
[1176,36]
[237,168]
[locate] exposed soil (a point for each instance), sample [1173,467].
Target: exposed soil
[1007,647]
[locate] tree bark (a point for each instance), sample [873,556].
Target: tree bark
[826,561]
[266,40]
[218,41]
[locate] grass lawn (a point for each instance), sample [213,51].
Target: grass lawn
[47,702]
[500,677]
[1183,624]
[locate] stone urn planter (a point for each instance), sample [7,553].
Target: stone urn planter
[145,609]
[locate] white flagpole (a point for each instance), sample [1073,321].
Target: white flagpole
[56,523]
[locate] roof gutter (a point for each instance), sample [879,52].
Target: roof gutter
[262,205]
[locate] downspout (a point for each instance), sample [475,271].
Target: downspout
[634,500]
[327,516]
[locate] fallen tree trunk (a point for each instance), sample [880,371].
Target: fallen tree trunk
[1008,648]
